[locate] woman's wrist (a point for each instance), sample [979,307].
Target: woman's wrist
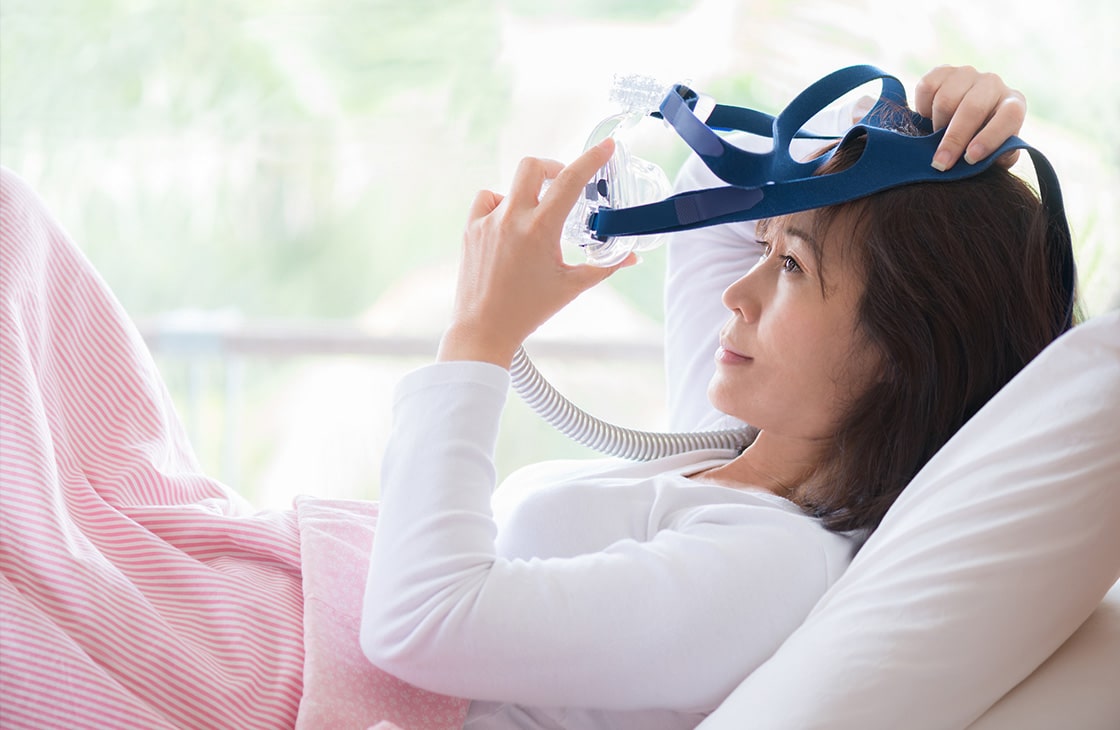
[465,342]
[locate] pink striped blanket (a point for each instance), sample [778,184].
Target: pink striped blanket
[135,591]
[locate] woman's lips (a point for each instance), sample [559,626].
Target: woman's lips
[728,356]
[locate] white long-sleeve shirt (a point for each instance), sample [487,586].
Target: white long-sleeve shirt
[591,594]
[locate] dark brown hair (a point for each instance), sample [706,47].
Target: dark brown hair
[960,293]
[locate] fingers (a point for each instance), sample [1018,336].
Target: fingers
[569,182]
[484,203]
[528,179]
[1006,121]
[588,275]
[939,92]
[977,110]
[531,174]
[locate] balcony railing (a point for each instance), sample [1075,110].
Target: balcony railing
[196,345]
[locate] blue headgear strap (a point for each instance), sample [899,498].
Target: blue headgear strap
[762,185]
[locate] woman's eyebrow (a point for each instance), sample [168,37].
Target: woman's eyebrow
[803,235]
[811,242]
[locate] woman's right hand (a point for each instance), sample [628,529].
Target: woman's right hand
[512,274]
[978,111]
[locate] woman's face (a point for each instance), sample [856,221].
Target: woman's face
[791,356]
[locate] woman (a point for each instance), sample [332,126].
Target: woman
[638,595]
[137,591]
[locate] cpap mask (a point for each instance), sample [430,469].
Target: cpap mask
[626,180]
[624,207]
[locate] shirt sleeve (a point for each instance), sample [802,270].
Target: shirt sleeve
[671,622]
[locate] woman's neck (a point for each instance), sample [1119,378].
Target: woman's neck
[774,463]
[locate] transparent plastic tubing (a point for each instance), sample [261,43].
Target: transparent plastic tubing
[607,438]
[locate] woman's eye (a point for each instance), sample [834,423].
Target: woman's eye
[790,264]
[765,247]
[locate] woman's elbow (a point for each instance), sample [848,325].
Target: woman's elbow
[400,636]
[389,648]
[372,641]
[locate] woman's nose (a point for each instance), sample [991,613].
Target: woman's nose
[743,296]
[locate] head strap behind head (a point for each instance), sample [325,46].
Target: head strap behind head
[767,184]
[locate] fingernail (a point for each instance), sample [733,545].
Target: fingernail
[941,161]
[974,154]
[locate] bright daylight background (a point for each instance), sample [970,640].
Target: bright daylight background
[267,182]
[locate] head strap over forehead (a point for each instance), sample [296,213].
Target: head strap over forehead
[766,184]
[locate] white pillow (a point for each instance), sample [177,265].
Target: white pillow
[993,556]
[1075,687]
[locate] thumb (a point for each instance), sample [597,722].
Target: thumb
[588,275]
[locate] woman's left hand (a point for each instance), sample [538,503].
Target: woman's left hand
[978,110]
[512,275]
